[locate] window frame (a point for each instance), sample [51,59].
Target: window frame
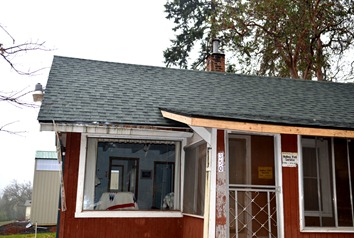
[120,169]
[327,204]
[147,135]
[302,213]
[195,196]
[47,165]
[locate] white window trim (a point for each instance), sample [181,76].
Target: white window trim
[324,165]
[278,173]
[303,228]
[192,215]
[168,135]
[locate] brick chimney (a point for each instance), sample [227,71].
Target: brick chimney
[216,60]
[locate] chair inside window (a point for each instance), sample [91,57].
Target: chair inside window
[117,201]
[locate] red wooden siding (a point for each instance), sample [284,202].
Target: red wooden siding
[192,227]
[113,227]
[290,190]
[291,198]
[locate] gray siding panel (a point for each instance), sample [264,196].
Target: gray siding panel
[45,197]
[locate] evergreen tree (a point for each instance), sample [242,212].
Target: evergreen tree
[299,38]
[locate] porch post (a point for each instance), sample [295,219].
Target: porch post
[221,187]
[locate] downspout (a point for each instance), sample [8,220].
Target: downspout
[207,194]
[61,150]
[59,204]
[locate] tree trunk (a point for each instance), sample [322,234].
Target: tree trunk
[319,61]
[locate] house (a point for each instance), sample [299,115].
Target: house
[161,152]
[28,209]
[46,188]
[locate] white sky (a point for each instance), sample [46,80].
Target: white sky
[131,31]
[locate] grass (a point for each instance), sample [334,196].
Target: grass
[39,235]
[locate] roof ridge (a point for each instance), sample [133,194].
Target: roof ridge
[200,71]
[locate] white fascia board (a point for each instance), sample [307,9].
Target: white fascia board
[115,130]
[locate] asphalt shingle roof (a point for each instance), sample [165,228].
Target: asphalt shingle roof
[88,91]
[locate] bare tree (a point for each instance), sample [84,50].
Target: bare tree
[12,200]
[8,52]
[15,98]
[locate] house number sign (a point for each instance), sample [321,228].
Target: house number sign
[221,164]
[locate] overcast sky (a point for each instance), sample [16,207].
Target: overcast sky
[134,31]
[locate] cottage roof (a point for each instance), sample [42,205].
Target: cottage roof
[49,155]
[98,92]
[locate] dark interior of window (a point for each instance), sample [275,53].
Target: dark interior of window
[131,175]
[328,170]
[194,177]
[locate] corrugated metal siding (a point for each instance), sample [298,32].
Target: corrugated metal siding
[45,197]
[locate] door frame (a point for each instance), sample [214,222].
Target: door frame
[277,174]
[248,178]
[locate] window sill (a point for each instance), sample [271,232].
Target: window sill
[193,215]
[328,230]
[128,214]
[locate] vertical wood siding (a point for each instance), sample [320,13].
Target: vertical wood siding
[192,227]
[291,198]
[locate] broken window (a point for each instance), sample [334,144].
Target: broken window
[125,174]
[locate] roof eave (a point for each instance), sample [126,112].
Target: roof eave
[147,130]
[256,127]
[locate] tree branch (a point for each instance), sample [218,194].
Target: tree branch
[2,129]
[7,52]
[15,98]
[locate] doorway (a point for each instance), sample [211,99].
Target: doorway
[252,191]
